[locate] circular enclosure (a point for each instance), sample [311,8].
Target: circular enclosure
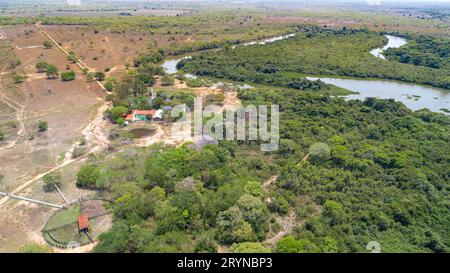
[63,229]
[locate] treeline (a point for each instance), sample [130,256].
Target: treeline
[16,20]
[313,51]
[374,173]
[265,76]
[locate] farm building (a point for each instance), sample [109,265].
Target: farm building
[83,223]
[140,115]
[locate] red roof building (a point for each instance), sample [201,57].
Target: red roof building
[83,223]
[140,115]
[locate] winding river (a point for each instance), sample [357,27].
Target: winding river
[412,95]
[170,64]
[393,42]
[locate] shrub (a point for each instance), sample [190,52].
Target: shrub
[110,83]
[17,78]
[88,176]
[42,126]
[78,151]
[51,180]
[2,136]
[72,57]
[120,121]
[167,80]
[99,76]
[68,76]
[41,66]
[52,71]
[117,112]
[47,44]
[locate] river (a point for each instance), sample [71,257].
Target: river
[393,42]
[413,96]
[170,64]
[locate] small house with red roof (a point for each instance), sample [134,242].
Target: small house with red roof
[83,223]
[140,115]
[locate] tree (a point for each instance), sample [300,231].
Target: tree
[52,71]
[116,240]
[68,76]
[41,66]
[88,176]
[110,83]
[205,243]
[249,247]
[169,218]
[47,44]
[254,211]
[289,244]
[254,188]
[319,150]
[167,80]
[51,180]
[117,112]
[42,126]
[232,227]
[334,211]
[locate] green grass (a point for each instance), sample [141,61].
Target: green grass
[68,234]
[64,217]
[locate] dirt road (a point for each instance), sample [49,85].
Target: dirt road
[93,132]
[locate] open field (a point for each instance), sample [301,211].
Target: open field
[25,153]
[67,109]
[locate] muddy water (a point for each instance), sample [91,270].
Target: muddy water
[413,96]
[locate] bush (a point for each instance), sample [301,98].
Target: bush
[87,176]
[110,83]
[41,66]
[47,44]
[2,136]
[42,126]
[72,57]
[167,80]
[68,76]
[51,180]
[52,71]
[117,112]
[78,151]
[99,76]
[120,121]
[17,78]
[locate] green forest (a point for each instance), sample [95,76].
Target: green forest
[371,170]
[313,51]
[423,51]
